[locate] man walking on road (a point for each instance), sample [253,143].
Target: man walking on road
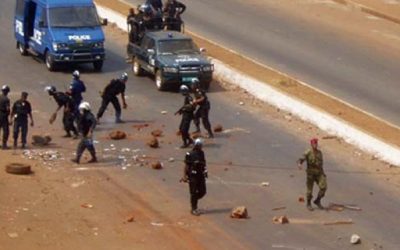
[187,116]
[110,93]
[4,113]
[195,172]
[203,110]
[76,89]
[20,112]
[315,173]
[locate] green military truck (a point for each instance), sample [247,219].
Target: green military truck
[172,57]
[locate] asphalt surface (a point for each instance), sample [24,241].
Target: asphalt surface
[354,72]
[265,148]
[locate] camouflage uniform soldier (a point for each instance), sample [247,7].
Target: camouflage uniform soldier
[315,173]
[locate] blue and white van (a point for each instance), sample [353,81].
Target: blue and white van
[60,31]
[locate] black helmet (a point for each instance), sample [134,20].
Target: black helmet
[50,89]
[5,89]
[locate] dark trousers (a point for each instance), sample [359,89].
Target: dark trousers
[184,129]
[85,143]
[4,125]
[202,113]
[68,122]
[173,24]
[106,100]
[197,188]
[23,126]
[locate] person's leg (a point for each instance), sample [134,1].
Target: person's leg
[117,107]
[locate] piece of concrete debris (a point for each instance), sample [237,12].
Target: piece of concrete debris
[156,165]
[39,140]
[13,235]
[332,206]
[278,208]
[218,128]
[117,135]
[130,219]
[241,103]
[280,219]
[153,143]
[301,199]
[164,112]
[18,168]
[171,159]
[329,137]
[264,184]
[239,213]
[355,239]
[87,205]
[157,133]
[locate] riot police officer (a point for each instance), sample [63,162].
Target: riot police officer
[132,26]
[172,13]
[20,112]
[64,101]
[86,125]
[4,113]
[203,109]
[195,172]
[76,88]
[187,116]
[110,93]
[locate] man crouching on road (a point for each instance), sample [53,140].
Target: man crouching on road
[86,125]
[315,173]
[195,172]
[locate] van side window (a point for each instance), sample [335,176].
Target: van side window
[19,10]
[43,18]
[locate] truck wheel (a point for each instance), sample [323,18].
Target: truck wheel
[22,49]
[50,64]
[98,65]
[136,68]
[160,82]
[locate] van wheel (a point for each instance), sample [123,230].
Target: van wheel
[98,65]
[136,68]
[50,64]
[22,49]
[160,82]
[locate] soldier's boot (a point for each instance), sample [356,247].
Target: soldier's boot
[309,207]
[94,158]
[210,134]
[317,202]
[75,160]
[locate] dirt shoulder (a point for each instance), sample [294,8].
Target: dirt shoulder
[291,86]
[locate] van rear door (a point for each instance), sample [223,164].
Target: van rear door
[19,21]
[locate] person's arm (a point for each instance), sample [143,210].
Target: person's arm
[124,105]
[30,114]
[12,114]
[301,160]
[182,8]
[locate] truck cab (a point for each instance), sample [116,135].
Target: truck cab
[172,57]
[60,31]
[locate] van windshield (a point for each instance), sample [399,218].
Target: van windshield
[176,46]
[73,17]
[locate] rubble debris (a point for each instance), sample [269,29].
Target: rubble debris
[338,222]
[157,133]
[278,208]
[39,140]
[18,168]
[157,224]
[196,135]
[117,135]
[329,137]
[241,103]
[153,143]
[140,126]
[87,205]
[13,235]
[171,159]
[164,112]
[280,219]
[218,128]
[355,239]
[130,219]
[156,165]
[334,206]
[301,199]
[239,213]
[264,184]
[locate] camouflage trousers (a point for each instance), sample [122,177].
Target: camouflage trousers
[318,177]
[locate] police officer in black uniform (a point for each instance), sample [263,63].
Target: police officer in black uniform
[110,93]
[187,116]
[86,125]
[65,101]
[4,113]
[132,26]
[172,14]
[20,112]
[195,172]
[76,88]
[203,110]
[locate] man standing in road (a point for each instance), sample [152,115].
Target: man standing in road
[76,89]
[66,102]
[203,110]
[4,113]
[315,173]
[187,116]
[195,172]
[86,125]
[19,115]
[172,12]
[110,93]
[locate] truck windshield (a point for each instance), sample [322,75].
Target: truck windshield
[73,17]
[177,47]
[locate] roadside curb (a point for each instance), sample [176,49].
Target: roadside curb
[266,93]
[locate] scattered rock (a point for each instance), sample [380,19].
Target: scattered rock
[157,133]
[171,159]
[12,235]
[130,219]
[280,220]
[218,128]
[156,165]
[164,112]
[39,140]
[117,135]
[153,143]
[196,135]
[140,126]
[329,137]
[241,103]
[87,205]
[264,184]
[371,193]
[278,208]
[239,213]
[301,199]
[18,168]
[355,239]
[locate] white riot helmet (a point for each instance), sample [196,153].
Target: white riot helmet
[124,77]
[76,74]
[198,143]
[5,89]
[84,106]
[184,89]
[50,89]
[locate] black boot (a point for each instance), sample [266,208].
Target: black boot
[317,202]
[309,207]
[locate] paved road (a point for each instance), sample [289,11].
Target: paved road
[266,153]
[311,52]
